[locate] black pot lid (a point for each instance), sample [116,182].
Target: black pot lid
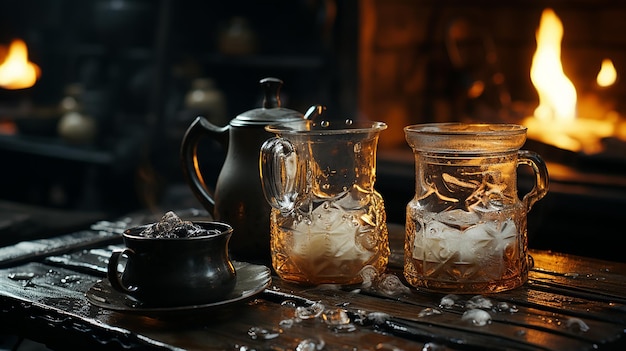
[271,112]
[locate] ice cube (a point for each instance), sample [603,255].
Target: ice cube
[428,311]
[309,312]
[478,301]
[391,285]
[477,317]
[448,301]
[332,233]
[577,324]
[311,345]
[458,217]
[477,243]
[503,233]
[172,226]
[369,274]
[440,242]
[335,316]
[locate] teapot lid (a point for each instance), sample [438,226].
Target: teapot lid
[271,112]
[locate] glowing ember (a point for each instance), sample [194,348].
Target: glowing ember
[554,121]
[16,72]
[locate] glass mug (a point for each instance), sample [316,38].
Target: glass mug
[327,222]
[466,226]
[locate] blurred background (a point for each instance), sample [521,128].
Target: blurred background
[95,96]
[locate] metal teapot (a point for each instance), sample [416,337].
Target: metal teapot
[238,197]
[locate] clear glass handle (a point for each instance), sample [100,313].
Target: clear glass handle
[540,170]
[278,166]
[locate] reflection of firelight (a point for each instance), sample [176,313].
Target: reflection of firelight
[16,72]
[554,121]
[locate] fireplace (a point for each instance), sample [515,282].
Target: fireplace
[429,62]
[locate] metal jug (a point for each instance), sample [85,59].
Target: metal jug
[237,198]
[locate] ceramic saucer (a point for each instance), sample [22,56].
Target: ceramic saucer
[251,280]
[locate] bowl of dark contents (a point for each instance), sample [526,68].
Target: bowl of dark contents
[174,262]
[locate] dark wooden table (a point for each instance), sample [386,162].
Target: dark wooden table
[569,303]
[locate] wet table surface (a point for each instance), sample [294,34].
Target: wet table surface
[569,303]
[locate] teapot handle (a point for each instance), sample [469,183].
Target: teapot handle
[189,157]
[278,166]
[540,170]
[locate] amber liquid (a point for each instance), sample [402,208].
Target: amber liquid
[331,245]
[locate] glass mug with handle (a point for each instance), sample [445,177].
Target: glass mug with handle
[327,221]
[466,226]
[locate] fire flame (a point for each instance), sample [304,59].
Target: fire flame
[557,95]
[554,120]
[16,72]
[607,75]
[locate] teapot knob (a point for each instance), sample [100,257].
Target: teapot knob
[271,87]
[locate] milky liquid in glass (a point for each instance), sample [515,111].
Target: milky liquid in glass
[331,245]
[466,227]
[327,221]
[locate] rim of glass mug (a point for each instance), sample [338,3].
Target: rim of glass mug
[460,138]
[326,127]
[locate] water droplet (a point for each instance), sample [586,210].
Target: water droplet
[289,303]
[377,317]
[325,124]
[70,279]
[349,122]
[477,317]
[287,323]
[313,311]
[478,301]
[428,312]
[369,274]
[577,324]
[262,333]
[571,275]
[21,276]
[505,307]
[335,316]
[343,328]
[391,285]
[310,345]
[448,301]
[357,148]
